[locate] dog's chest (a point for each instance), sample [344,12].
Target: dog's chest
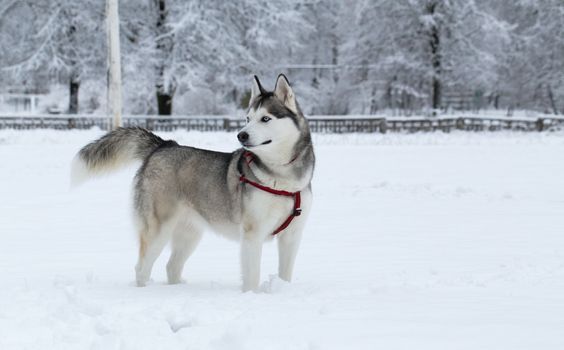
[264,211]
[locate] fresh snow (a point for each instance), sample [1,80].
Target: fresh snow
[416,241]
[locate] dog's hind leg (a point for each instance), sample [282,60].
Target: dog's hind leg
[152,239]
[185,239]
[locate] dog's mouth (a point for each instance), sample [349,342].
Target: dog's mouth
[246,145]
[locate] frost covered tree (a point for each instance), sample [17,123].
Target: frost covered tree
[315,58]
[210,47]
[412,49]
[53,38]
[531,69]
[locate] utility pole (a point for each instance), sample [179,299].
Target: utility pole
[114,63]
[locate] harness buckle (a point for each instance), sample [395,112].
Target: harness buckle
[297,212]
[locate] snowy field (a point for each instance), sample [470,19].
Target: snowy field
[425,241]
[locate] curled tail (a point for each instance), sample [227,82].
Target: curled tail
[113,151]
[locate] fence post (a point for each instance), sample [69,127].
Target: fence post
[226,125]
[460,123]
[71,123]
[540,124]
[383,126]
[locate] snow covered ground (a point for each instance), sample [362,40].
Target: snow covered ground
[423,241]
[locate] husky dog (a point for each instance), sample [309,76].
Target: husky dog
[257,192]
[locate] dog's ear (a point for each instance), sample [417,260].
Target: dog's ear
[284,93]
[256,90]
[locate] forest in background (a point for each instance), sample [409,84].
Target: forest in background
[342,57]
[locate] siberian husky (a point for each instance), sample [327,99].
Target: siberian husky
[256,193]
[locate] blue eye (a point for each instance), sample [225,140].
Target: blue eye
[265,119]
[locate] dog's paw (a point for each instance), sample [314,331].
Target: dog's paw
[274,285]
[143,283]
[140,283]
[177,281]
[247,289]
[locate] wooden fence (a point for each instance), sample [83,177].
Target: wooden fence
[317,124]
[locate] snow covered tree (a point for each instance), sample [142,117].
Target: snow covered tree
[316,57]
[58,38]
[531,69]
[206,46]
[412,49]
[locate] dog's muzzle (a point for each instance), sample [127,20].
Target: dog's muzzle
[243,136]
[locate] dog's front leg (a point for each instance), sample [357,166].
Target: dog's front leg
[288,245]
[289,240]
[251,252]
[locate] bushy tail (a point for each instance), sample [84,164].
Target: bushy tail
[113,151]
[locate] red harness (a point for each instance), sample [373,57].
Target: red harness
[296,195]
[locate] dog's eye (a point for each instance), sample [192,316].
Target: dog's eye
[248,119]
[265,119]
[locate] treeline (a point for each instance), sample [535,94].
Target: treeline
[343,56]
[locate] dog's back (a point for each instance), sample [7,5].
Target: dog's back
[203,180]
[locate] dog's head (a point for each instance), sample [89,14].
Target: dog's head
[275,122]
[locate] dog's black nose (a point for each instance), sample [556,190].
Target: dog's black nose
[243,136]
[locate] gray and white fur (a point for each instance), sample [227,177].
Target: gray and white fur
[181,191]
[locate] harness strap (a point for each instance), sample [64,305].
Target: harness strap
[249,157]
[296,195]
[297,212]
